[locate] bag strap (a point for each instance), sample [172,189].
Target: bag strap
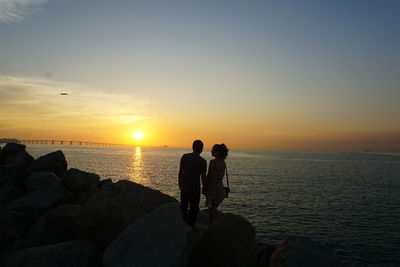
[227,177]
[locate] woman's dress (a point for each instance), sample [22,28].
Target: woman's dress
[216,192]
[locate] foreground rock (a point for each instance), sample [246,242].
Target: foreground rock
[78,253]
[53,217]
[78,181]
[56,225]
[54,162]
[299,251]
[114,207]
[45,192]
[157,239]
[229,241]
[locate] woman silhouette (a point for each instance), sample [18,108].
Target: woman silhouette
[216,171]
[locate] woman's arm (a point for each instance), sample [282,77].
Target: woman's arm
[210,171]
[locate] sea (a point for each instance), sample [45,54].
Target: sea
[346,201]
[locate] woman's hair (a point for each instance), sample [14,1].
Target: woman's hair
[221,150]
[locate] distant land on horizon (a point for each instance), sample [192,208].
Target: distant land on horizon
[366,150]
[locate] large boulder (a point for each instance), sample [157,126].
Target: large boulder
[15,220]
[7,236]
[8,193]
[37,203]
[157,239]
[54,162]
[77,253]
[229,241]
[43,181]
[78,181]
[300,251]
[56,225]
[22,159]
[11,148]
[45,192]
[114,207]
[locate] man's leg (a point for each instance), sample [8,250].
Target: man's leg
[194,208]
[184,206]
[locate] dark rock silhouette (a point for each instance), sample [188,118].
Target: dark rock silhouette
[51,216]
[165,241]
[228,241]
[74,253]
[78,181]
[54,162]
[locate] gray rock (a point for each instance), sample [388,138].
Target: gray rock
[300,251]
[43,181]
[78,181]
[77,253]
[13,148]
[229,241]
[54,162]
[157,239]
[56,225]
[114,207]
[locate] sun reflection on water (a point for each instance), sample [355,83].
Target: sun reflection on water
[137,167]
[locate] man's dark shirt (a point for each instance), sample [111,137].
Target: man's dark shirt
[192,166]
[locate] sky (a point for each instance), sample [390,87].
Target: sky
[290,75]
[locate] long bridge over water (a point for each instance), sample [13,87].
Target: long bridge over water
[68,142]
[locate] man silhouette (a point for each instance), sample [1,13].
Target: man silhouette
[191,168]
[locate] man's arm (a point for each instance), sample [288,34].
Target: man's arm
[180,175]
[204,180]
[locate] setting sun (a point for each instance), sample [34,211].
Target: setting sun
[138,135]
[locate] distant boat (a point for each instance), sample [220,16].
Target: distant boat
[64,94]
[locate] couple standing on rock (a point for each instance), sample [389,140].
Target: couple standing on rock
[192,167]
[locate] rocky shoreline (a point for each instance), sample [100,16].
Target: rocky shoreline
[54,216]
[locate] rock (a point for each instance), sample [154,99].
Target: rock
[7,236]
[17,245]
[104,182]
[78,181]
[299,251]
[77,253]
[114,207]
[157,239]
[15,220]
[229,241]
[54,162]
[56,225]
[10,148]
[22,159]
[8,193]
[37,203]
[9,168]
[43,181]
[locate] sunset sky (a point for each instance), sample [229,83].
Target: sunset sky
[319,74]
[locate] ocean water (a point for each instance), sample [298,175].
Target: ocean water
[344,200]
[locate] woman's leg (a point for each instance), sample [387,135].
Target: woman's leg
[212,212]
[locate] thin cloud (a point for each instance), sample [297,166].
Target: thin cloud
[17,10]
[34,100]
